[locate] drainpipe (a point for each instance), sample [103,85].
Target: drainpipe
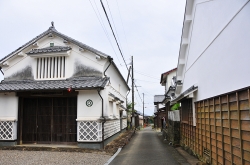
[127,106]
[110,62]
[1,70]
[104,119]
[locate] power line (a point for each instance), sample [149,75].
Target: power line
[103,27]
[113,23]
[146,75]
[116,41]
[113,33]
[122,25]
[146,81]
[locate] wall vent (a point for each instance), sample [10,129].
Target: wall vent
[50,68]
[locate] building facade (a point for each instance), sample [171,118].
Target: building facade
[211,81]
[59,90]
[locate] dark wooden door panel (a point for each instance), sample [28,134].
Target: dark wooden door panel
[49,120]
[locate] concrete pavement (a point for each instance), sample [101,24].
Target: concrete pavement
[147,148]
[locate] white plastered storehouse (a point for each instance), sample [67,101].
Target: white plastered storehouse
[59,90]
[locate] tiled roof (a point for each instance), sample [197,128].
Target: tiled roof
[52,30]
[158,98]
[74,83]
[53,49]
[117,98]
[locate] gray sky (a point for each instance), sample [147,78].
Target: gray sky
[148,30]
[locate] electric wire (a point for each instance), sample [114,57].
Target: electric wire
[122,26]
[147,81]
[146,75]
[103,27]
[113,32]
[114,25]
[116,41]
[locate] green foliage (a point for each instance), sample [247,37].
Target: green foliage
[129,107]
[176,106]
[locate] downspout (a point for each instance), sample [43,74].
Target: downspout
[127,107]
[103,118]
[110,62]
[1,70]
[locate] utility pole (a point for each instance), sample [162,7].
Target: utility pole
[133,99]
[143,109]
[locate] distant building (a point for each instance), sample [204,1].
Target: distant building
[162,102]
[59,90]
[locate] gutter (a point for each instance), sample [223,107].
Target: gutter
[103,118]
[127,107]
[185,93]
[110,62]
[1,70]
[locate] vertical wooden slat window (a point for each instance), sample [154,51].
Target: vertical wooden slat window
[50,68]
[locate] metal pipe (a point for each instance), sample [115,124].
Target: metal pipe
[1,70]
[127,107]
[110,62]
[104,119]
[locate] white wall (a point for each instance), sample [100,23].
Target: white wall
[89,113]
[86,58]
[219,51]
[9,106]
[169,78]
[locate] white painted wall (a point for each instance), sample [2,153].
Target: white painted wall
[86,58]
[89,113]
[117,86]
[169,78]
[218,54]
[9,106]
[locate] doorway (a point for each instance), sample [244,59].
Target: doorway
[49,120]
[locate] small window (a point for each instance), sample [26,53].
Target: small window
[50,67]
[51,44]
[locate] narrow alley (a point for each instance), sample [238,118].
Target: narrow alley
[147,148]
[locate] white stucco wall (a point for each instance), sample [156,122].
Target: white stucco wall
[9,106]
[169,78]
[218,55]
[85,58]
[89,113]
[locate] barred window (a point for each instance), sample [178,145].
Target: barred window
[50,67]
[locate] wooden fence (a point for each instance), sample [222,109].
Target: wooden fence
[222,132]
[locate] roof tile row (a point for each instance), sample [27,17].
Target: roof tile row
[79,83]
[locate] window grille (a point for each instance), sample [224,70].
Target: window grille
[89,131]
[7,130]
[50,67]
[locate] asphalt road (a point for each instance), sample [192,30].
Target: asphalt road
[148,148]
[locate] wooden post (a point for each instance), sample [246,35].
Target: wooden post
[239,127]
[216,152]
[230,131]
[222,136]
[210,135]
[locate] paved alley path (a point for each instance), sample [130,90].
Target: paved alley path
[147,148]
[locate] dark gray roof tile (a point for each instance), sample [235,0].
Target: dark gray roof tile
[79,83]
[54,31]
[49,50]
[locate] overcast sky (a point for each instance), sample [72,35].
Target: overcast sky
[148,30]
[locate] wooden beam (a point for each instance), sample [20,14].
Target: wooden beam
[210,141]
[216,152]
[239,127]
[222,136]
[230,131]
